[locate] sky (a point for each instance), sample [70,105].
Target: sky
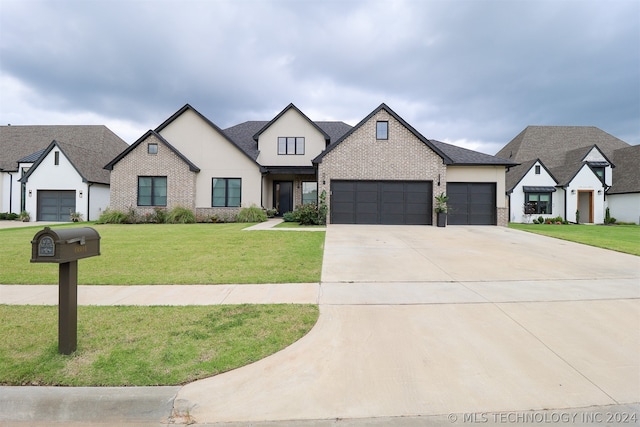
[473,73]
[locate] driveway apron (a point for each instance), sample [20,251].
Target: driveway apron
[425,321]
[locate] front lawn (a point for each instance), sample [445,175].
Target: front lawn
[142,346]
[148,254]
[621,238]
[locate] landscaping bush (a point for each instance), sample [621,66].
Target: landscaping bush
[112,216]
[291,216]
[181,215]
[308,214]
[9,216]
[159,216]
[252,214]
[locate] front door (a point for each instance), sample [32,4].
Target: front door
[283,196]
[585,205]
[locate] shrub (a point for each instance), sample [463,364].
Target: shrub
[307,214]
[110,216]
[323,208]
[159,216]
[291,216]
[252,214]
[181,215]
[540,220]
[10,216]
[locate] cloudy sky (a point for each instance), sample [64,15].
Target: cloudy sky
[473,73]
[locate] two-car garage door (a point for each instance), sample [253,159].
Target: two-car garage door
[381,202]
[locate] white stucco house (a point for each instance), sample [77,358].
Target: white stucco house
[52,171]
[569,171]
[380,171]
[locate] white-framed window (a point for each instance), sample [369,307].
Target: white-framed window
[382,130]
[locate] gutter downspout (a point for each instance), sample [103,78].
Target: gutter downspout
[10,190]
[565,204]
[89,184]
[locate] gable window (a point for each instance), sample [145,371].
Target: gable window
[152,191]
[382,130]
[152,148]
[599,171]
[226,192]
[538,203]
[290,145]
[537,169]
[56,158]
[309,192]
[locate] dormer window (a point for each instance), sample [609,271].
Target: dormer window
[598,168]
[290,145]
[382,130]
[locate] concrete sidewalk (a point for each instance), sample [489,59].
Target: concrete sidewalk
[418,326]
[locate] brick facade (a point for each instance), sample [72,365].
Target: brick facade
[181,182]
[400,157]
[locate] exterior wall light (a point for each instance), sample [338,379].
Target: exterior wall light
[29,193]
[573,191]
[81,194]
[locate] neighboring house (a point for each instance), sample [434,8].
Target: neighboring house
[624,195]
[52,171]
[565,171]
[380,171]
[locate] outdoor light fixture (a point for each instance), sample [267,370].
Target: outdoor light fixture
[29,193]
[81,194]
[599,191]
[573,191]
[438,180]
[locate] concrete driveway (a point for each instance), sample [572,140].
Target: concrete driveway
[424,322]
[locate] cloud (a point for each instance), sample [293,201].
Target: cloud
[462,71]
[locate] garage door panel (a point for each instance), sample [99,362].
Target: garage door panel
[381,202]
[471,203]
[55,205]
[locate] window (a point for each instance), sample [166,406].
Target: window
[152,191]
[600,172]
[537,169]
[290,145]
[309,192]
[226,192]
[152,148]
[56,158]
[382,130]
[538,203]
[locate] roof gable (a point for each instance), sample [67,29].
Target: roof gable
[516,174]
[188,107]
[45,153]
[551,144]
[111,164]
[393,114]
[289,107]
[89,147]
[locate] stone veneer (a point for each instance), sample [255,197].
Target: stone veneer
[181,182]
[401,157]
[503,217]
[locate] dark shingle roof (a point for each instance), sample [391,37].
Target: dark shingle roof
[626,174]
[243,133]
[552,143]
[88,148]
[462,156]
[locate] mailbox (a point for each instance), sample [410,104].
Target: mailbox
[65,244]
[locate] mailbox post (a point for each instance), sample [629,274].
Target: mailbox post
[65,247]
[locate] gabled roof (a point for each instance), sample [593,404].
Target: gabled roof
[111,164]
[88,147]
[552,143]
[626,175]
[515,174]
[188,107]
[446,159]
[327,138]
[243,133]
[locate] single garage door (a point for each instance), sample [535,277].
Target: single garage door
[56,205]
[471,203]
[381,202]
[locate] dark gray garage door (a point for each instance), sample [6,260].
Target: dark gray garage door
[381,202]
[471,203]
[56,205]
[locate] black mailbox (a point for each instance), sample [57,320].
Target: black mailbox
[65,244]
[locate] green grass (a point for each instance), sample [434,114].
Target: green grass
[141,346]
[621,238]
[297,225]
[147,254]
